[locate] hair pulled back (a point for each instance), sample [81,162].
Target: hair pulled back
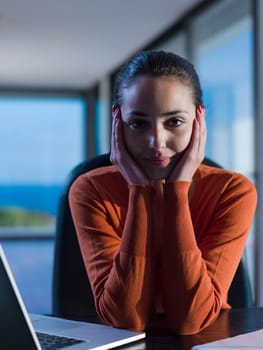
[158,64]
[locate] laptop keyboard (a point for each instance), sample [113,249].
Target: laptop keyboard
[54,342]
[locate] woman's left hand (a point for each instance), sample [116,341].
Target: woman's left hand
[195,152]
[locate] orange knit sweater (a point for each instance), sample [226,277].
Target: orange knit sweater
[162,249]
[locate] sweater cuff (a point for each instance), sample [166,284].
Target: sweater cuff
[179,189]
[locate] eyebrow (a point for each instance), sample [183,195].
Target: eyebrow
[165,114]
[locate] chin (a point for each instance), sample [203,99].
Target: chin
[160,175]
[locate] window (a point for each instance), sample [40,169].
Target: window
[224,58]
[41,140]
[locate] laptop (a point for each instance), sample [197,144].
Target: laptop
[20,330]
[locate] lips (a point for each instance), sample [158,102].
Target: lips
[159,162]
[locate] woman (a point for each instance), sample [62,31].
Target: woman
[161,234]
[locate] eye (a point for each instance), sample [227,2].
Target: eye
[173,122]
[139,124]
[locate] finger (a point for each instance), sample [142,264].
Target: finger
[115,112]
[200,116]
[203,132]
[118,144]
[195,139]
[112,131]
[200,111]
[119,134]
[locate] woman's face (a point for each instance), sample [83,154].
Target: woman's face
[157,115]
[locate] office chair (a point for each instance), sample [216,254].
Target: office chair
[72,295]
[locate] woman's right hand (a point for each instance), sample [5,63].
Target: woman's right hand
[120,156]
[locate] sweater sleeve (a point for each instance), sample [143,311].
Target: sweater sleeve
[198,267]
[118,263]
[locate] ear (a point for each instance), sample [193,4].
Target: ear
[200,110]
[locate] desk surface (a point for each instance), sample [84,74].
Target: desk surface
[229,323]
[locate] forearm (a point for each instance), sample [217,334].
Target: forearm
[202,249]
[119,262]
[127,297]
[191,301]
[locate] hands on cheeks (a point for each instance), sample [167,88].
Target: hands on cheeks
[184,169]
[120,156]
[195,152]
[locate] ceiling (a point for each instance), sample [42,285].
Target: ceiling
[71,44]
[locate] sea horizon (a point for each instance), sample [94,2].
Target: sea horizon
[37,197]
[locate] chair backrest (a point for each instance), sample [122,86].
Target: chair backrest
[72,295]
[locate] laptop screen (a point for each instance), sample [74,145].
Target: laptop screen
[14,330]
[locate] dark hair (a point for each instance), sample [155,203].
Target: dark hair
[158,64]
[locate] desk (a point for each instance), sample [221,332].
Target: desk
[229,323]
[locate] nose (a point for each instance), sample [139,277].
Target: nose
[157,140]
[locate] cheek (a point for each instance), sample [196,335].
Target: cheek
[132,142]
[180,141]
